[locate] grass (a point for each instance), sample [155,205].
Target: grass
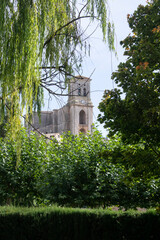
[30,210]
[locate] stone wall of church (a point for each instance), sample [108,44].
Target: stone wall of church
[63,119]
[76,116]
[45,123]
[75,125]
[56,121]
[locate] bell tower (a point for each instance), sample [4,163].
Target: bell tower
[80,105]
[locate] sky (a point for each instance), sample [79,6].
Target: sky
[102,62]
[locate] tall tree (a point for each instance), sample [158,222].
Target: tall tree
[134,111]
[41,43]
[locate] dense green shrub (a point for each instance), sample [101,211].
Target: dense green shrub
[19,179]
[84,171]
[75,224]
[78,176]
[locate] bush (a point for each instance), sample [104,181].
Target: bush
[19,180]
[84,171]
[75,224]
[77,176]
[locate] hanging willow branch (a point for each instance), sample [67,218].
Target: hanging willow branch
[35,34]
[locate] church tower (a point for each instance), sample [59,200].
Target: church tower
[80,105]
[76,116]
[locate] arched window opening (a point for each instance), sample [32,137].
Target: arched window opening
[82,117]
[79,92]
[84,92]
[82,130]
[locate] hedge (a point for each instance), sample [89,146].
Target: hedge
[67,224]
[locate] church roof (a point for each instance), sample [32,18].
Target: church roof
[82,77]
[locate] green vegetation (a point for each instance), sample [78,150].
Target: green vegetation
[75,224]
[41,45]
[135,114]
[133,110]
[84,171]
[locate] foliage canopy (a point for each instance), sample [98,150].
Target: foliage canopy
[135,111]
[80,171]
[39,41]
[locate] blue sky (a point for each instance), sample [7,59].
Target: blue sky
[102,62]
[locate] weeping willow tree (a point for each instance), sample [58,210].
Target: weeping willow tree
[41,45]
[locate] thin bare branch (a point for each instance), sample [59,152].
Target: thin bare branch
[67,24]
[82,9]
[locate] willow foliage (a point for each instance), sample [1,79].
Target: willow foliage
[34,34]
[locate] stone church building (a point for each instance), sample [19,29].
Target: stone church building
[76,116]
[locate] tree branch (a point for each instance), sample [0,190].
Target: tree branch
[67,24]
